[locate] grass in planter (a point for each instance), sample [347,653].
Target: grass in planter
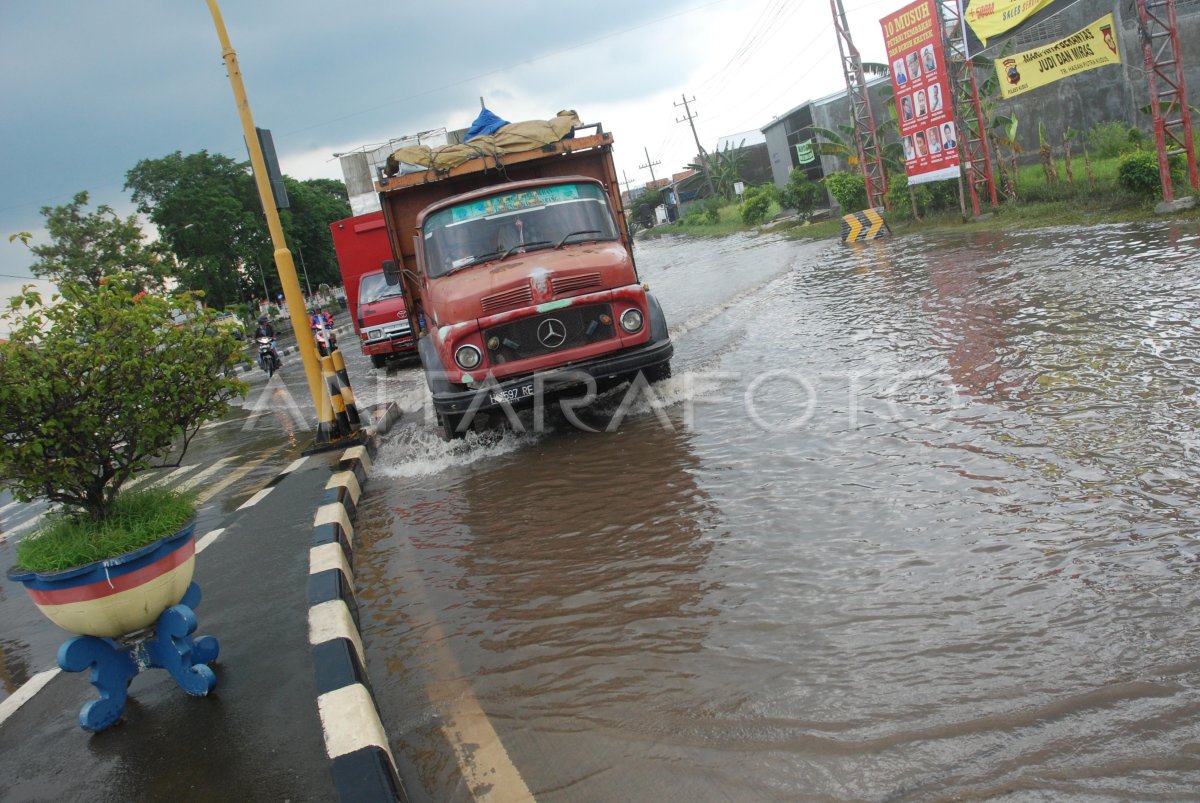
[138,518]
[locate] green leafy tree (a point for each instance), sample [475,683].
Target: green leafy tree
[86,248]
[315,204]
[723,168]
[98,384]
[643,206]
[207,211]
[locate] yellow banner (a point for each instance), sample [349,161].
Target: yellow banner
[1094,46]
[989,18]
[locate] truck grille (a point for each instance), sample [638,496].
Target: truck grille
[573,284]
[576,326]
[398,329]
[509,298]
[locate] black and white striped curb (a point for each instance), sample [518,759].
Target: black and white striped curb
[362,763]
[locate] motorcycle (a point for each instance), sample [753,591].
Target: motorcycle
[326,340]
[268,357]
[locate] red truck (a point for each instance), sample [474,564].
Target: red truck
[521,279]
[377,308]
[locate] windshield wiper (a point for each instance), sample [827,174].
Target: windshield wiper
[566,237]
[525,247]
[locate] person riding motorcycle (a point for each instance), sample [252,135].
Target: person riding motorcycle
[266,329]
[321,323]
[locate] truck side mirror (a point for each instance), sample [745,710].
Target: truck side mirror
[390,274]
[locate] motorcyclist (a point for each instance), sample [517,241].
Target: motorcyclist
[320,320]
[266,329]
[321,323]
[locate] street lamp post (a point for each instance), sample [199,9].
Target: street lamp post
[327,426]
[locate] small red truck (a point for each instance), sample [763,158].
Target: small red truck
[377,308]
[521,280]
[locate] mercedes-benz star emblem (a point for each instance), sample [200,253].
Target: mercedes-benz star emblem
[551,333]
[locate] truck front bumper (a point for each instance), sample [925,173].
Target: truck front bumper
[523,391]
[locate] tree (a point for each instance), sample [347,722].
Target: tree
[723,169]
[643,206]
[207,211]
[207,208]
[100,382]
[314,205]
[86,248]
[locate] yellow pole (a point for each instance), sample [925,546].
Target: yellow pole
[283,257]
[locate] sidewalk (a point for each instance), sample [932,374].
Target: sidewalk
[257,735]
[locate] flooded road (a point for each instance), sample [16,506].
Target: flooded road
[914,520]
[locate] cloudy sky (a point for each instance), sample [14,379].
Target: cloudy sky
[88,88]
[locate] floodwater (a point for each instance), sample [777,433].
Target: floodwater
[914,520]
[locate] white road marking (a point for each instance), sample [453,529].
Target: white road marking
[20,528]
[207,540]
[23,694]
[233,477]
[258,497]
[295,465]
[192,482]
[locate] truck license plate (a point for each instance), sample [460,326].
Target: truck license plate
[513,394]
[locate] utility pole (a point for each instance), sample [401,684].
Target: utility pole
[688,116]
[649,164]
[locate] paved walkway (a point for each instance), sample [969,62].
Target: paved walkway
[257,736]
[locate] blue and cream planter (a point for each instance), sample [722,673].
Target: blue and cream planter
[129,613]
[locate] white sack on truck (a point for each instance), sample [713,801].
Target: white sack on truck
[512,138]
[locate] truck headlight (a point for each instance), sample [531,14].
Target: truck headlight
[631,320]
[374,334]
[468,357]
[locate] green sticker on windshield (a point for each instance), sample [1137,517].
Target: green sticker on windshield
[515,201]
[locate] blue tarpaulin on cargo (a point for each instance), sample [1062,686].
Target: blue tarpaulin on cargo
[485,123]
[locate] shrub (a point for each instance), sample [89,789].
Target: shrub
[756,204]
[1110,140]
[1138,172]
[848,189]
[800,194]
[712,211]
[97,384]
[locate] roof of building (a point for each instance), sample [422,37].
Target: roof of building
[871,81]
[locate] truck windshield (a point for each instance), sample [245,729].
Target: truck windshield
[373,287]
[489,228]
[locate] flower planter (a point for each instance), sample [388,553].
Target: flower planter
[146,599]
[120,595]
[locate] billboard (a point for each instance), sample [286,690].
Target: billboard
[989,18]
[1092,47]
[921,86]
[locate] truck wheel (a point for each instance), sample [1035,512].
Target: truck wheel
[378,360]
[449,426]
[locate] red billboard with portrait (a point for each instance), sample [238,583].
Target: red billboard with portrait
[921,84]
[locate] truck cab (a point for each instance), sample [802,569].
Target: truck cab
[524,287]
[377,307]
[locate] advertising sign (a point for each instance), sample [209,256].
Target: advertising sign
[1088,49]
[804,153]
[921,84]
[989,18]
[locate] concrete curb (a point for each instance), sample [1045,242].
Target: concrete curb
[361,762]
